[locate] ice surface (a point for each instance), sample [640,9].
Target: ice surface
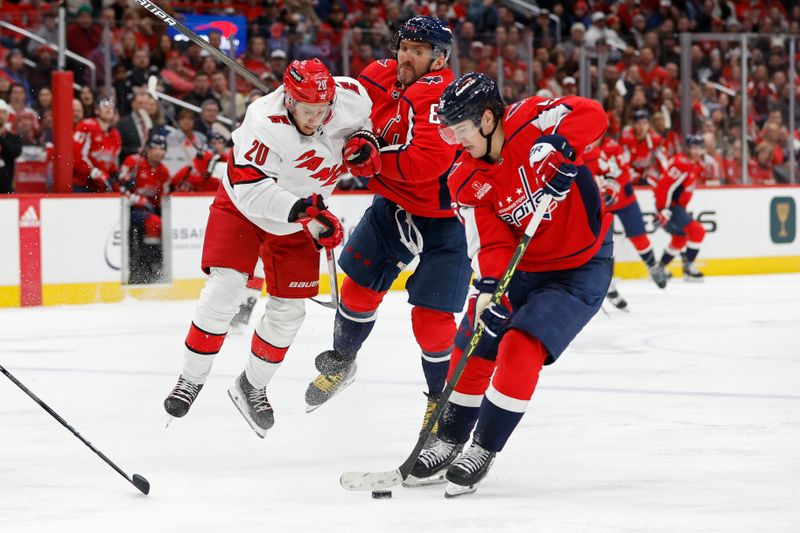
[683,415]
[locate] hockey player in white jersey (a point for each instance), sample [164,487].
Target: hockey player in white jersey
[286,160]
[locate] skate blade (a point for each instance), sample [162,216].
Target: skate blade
[310,408]
[454,491]
[170,419]
[415,482]
[233,393]
[693,280]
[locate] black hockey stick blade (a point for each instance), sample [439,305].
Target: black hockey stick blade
[141,483]
[383,480]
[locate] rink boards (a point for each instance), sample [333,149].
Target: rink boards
[60,249]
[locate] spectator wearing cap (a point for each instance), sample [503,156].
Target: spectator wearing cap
[579,15]
[569,86]
[176,76]
[577,33]
[600,31]
[83,35]
[41,76]
[10,148]
[277,66]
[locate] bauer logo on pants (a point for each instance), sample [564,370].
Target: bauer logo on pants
[782,220]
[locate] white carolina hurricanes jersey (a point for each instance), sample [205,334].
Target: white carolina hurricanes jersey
[274,164]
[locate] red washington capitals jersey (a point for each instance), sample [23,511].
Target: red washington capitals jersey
[495,201]
[612,173]
[677,184]
[147,180]
[94,148]
[416,160]
[643,155]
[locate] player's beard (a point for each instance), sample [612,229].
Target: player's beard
[407,75]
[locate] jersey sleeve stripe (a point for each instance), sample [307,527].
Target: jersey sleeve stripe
[375,83]
[248,173]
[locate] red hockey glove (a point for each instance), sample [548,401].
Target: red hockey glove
[362,154]
[663,216]
[549,158]
[137,200]
[101,177]
[326,230]
[610,189]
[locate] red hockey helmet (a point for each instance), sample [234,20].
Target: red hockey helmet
[309,82]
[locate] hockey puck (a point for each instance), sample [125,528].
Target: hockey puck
[381,494]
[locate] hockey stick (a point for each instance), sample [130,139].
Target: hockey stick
[334,280]
[391,478]
[138,481]
[205,45]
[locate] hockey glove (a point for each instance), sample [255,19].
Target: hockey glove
[664,215]
[494,318]
[610,189]
[101,178]
[139,201]
[320,224]
[549,158]
[362,154]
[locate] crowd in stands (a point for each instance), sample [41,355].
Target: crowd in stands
[534,50]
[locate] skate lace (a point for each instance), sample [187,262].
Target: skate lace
[258,400]
[185,390]
[473,459]
[429,409]
[436,454]
[328,382]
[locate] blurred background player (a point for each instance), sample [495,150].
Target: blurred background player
[206,168]
[607,163]
[145,179]
[287,157]
[511,158]
[673,193]
[410,216]
[642,149]
[96,146]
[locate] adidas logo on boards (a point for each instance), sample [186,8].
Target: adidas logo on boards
[29,218]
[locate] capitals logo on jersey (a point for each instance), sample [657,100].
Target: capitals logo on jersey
[517,209]
[431,80]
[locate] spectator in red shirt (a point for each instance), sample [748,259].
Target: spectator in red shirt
[175,75]
[83,36]
[759,168]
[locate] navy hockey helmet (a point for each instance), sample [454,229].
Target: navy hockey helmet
[468,97]
[695,140]
[641,114]
[429,30]
[157,141]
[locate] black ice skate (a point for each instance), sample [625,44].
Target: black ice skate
[659,275]
[336,373]
[242,317]
[181,398]
[617,300]
[253,404]
[465,473]
[690,272]
[432,463]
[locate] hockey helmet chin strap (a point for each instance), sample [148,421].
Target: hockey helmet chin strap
[488,138]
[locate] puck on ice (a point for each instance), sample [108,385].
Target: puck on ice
[381,494]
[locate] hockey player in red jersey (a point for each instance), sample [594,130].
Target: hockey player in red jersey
[144,180]
[410,216]
[206,169]
[642,149]
[512,157]
[286,160]
[96,146]
[606,161]
[673,193]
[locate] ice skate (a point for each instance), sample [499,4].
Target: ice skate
[336,374]
[432,463]
[253,404]
[181,398]
[467,471]
[659,275]
[690,272]
[616,299]
[242,317]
